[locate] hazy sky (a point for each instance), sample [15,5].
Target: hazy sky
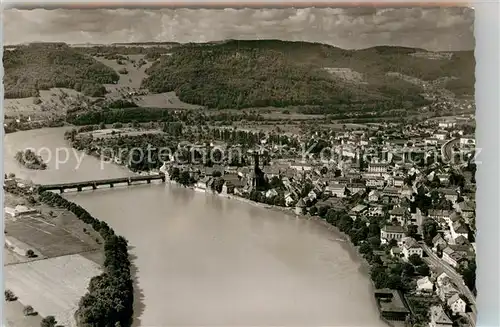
[429,28]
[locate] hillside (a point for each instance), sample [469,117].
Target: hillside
[42,66]
[241,74]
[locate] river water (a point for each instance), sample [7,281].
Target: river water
[204,260]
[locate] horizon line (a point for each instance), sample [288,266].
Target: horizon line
[218,41]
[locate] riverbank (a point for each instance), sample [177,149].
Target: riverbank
[356,256]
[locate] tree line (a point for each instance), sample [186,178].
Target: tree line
[35,67]
[109,300]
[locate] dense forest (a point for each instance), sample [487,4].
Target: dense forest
[242,74]
[35,67]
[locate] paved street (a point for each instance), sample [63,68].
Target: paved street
[435,261]
[447,149]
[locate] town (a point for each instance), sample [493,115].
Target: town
[403,194]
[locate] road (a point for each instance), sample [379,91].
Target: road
[433,260]
[447,149]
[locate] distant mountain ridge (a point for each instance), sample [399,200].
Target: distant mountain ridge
[257,73]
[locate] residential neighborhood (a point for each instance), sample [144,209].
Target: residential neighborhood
[420,197]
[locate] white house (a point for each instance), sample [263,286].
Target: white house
[373,196]
[458,229]
[411,247]
[439,317]
[467,140]
[447,124]
[398,181]
[424,286]
[289,199]
[300,207]
[337,190]
[390,232]
[377,181]
[378,167]
[271,193]
[456,304]
[440,135]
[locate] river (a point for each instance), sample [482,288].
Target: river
[204,260]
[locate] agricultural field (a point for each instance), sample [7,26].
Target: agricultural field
[50,103]
[132,71]
[52,234]
[14,316]
[55,277]
[51,286]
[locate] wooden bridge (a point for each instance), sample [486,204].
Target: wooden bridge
[79,186]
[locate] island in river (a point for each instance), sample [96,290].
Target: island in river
[30,160]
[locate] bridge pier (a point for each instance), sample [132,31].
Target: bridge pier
[149,181]
[61,190]
[79,188]
[111,185]
[94,186]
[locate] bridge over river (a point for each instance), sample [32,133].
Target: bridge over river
[94,184]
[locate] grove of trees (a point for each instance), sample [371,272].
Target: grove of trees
[110,295]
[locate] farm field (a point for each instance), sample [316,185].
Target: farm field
[51,286]
[51,236]
[131,82]
[50,233]
[14,317]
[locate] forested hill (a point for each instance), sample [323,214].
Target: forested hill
[41,66]
[239,74]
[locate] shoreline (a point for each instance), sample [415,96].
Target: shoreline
[346,244]
[342,237]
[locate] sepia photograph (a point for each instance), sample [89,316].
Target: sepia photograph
[229,167]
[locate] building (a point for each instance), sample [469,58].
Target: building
[424,286]
[336,190]
[289,200]
[396,252]
[457,304]
[467,140]
[458,229]
[378,167]
[446,291]
[19,210]
[391,305]
[439,317]
[411,247]
[357,210]
[438,243]
[439,214]
[356,187]
[373,196]
[390,232]
[376,181]
[447,124]
[398,213]
[300,207]
[398,181]
[452,257]
[202,183]
[466,209]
